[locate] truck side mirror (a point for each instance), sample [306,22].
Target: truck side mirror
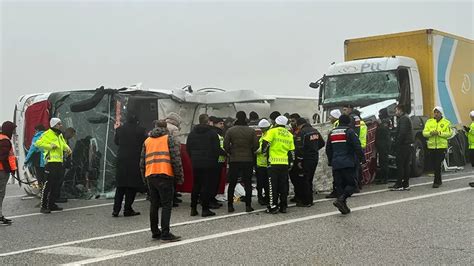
[314,85]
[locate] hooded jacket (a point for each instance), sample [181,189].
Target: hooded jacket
[34,151]
[203,146]
[52,136]
[174,155]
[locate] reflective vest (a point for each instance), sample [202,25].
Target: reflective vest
[444,132]
[281,142]
[262,159]
[336,124]
[221,158]
[11,156]
[157,157]
[470,136]
[51,155]
[363,134]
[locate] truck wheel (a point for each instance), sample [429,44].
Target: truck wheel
[418,158]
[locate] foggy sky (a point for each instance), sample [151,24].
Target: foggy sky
[270,47]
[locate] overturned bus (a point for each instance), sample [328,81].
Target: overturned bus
[95,114]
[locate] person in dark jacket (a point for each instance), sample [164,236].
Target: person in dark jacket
[218,127]
[382,144]
[344,154]
[160,164]
[129,138]
[403,149]
[241,143]
[7,163]
[308,142]
[203,147]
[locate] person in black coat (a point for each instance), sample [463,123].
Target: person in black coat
[344,155]
[203,147]
[403,149]
[129,138]
[382,144]
[308,141]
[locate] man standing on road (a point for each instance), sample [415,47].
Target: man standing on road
[308,142]
[437,130]
[382,145]
[203,147]
[240,143]
[54,146]
[344,154]
[129,138]
[160,164]
[7,163]
[218,127]
[279,144]
[261,170]
[403,149]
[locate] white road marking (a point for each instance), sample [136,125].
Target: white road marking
[68,209]
[16,196]
[189,222]
[79,251]
[259,227]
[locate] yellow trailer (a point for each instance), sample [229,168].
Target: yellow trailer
[445,65]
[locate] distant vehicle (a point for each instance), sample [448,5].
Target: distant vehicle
[420,69]
[95,114]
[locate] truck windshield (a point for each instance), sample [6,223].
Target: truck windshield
[363,88]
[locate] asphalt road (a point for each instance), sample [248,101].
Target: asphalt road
[421,226]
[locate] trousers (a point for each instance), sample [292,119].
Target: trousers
[161,189]
[437,157]
[53,173]
[345,181]
[403,165]
[3,187]
[243,170]
[279,185]
[129,193]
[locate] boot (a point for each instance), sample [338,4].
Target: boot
[230,207]
[331,195]
[207,213]
[249,209]
[194,211]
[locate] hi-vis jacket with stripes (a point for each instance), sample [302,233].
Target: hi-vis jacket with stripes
[161,156]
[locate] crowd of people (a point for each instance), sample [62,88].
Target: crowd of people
[284,148]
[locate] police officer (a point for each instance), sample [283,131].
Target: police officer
[54,146]
[160,164]
[334,117]
[218,127]
[344,154]
[279,144]
[261,170]
[403,149]
[437,130]
[308,142]
[7,163]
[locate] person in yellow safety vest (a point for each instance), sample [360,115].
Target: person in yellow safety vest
[470,140]
[7,163]
[334,117]
[261,170]
[161,166]
[363,134]
[437,130]
[279,144]
[54,147]
[218,127]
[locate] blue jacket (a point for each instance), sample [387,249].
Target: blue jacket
[343,148]
[34,149]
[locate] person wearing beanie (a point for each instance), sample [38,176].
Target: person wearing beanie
[344,155]
[54,147]
[403,149]
[437,130]
[278,143]
[470,139]
[204,149]
[261,171]
[308,142]
[128,180]
[173,123]
[240,142]
[7,163]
